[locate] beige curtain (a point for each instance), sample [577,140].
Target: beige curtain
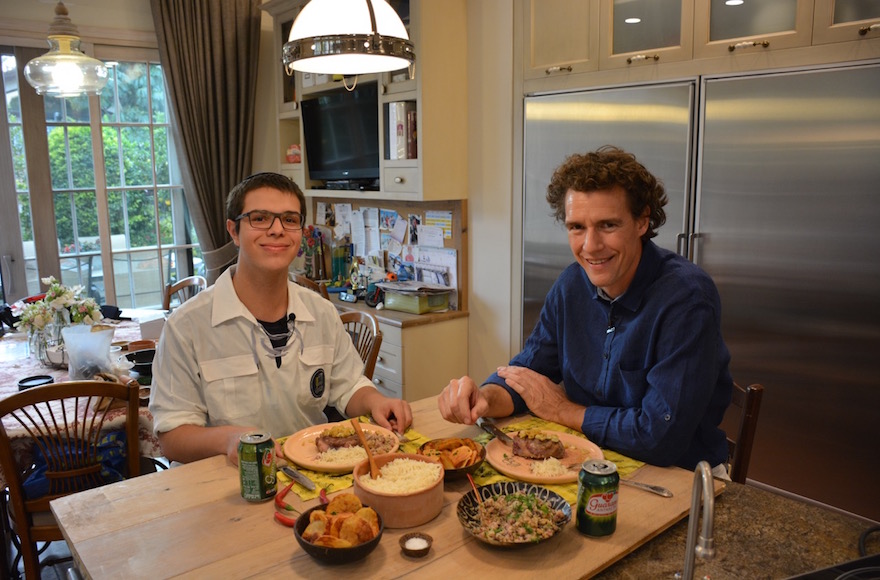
[209,51]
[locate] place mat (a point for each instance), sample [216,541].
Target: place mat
[337,482]
[486,474]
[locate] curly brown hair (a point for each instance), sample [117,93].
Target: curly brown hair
[606,168]
[235,199]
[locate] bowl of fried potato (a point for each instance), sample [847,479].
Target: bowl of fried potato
[459,456]
[342,531]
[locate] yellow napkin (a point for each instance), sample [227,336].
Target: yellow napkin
[486,474]
[337,482]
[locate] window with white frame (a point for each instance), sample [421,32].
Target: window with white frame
[125,194]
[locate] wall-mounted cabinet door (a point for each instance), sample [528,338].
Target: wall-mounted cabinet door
[561,37]
[638,33]
[844,20]
[729,27]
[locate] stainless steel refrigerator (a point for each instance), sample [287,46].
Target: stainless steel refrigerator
[774,186]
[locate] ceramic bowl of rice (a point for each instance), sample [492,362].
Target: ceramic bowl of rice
[409,491]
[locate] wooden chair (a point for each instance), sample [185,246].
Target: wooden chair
[743,411]
[367,338]
[65,421]
[307,282]
[183,289]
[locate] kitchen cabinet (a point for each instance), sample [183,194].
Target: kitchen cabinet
[434,87]
[288,138]
[732,29]
[843,20]
[560,37]
[420,353]
[645,32]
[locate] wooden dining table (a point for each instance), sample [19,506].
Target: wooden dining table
[192,521]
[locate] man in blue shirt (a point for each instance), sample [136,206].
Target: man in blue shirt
[628,348]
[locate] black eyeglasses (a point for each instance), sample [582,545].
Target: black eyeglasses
[260,219]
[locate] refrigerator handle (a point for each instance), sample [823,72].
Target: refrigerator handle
[694,247]
[680,244]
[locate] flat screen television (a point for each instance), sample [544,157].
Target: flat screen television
[341,130]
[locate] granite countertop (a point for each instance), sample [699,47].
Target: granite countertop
[758,534]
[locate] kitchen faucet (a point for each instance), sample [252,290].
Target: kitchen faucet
[705,547]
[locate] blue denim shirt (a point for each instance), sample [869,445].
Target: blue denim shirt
[651,367]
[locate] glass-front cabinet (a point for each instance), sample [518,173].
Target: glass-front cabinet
[288,147]
[844,20]
[560,37]
[645,32]
[734,27]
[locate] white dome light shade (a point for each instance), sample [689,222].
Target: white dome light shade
[338,37]
[65,71]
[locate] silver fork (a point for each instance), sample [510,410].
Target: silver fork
[400,436]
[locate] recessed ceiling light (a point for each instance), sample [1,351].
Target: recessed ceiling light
[733,2]
[633,20]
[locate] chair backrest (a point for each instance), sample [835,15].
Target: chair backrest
[307,282]
[364,330]
[183,289]
[743,410]
[62,426]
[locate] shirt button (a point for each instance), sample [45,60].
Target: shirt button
[667,417]
[605,355]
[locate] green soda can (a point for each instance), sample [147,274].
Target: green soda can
[256,466]
[598,484]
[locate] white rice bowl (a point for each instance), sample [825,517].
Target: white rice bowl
[411,495]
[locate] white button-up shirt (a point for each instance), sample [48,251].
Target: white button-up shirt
[212,366]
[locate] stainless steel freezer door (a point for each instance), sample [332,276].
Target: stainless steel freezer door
[788,210]
[652,122]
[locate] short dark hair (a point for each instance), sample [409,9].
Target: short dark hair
[606,168]
[235,199]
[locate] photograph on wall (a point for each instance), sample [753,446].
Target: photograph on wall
[415,221]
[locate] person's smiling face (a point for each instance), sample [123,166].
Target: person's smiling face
[273,249]
[604,237]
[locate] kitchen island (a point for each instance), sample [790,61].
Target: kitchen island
[758,534]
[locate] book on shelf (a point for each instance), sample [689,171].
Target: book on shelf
[401,130]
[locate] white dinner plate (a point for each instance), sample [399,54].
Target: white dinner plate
[301,449]
[577,450]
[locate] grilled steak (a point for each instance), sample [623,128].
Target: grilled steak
[336,437]
[536,444]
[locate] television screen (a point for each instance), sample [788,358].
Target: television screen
[341,131]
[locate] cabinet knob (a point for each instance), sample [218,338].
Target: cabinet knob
[377,381]
[380,359]
[399,179]
[866,29]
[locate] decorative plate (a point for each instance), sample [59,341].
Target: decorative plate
[469,508]
[577,450]
[301,449]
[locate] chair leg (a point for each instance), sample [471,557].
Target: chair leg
[5,536]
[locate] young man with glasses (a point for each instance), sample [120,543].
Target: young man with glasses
[256,351]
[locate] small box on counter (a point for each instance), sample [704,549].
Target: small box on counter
[416,303]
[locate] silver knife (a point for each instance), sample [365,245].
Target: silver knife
[647,487]
[489,426]
[298,477]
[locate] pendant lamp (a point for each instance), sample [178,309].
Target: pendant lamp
[65,71]
[347,37]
